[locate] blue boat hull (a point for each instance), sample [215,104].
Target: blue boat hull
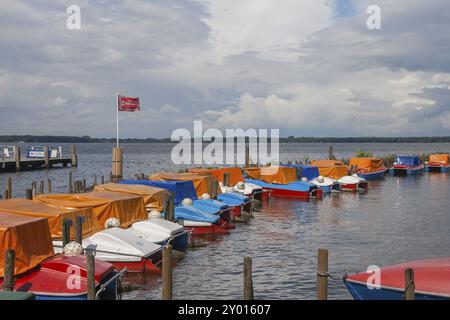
[373,175]
[400,172]
[360,291]
[193,214]
[437,169]
[179,243]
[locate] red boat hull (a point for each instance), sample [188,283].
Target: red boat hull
[362,186]
[207,230]
[283,193]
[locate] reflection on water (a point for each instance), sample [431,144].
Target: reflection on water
[398,219]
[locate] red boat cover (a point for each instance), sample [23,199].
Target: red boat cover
[30,239]
[431,276]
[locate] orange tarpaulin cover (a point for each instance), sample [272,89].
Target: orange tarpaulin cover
[54,215]
[235,174]
[202,183]
[443,159]
[30,239]
[125,207]
[366,164]
[273,174]
[331,168]
[154,198]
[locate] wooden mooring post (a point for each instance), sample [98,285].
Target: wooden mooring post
[49,186]
[8,277]
[90,268]
[78,226]
[248,281]
[70,182]
[170,208]
[9,188]
[247,155]
[66,231]
[117,166]
[29,194]
[330,153]
[17,157]
[73,156]
[322,274]
[226,179]
[46,158]
[33,188]
[41,187]
[167,272]
[103,179]
[410,287]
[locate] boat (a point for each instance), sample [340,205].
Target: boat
[206,187]
[155,199]
[336,169]
[311,173]
[406,165]
[39,271]
[282,182]
[197,222]
[368,168]
[120,215]
[431,279]
[253,191]
[438,163]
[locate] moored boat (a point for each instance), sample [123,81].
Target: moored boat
[336,169]
[192,219]
[154,229]
[406,165]
[38,270]
[311,173]
[117,213]
[438,163]
[282,182]
[431,279]
[368,168]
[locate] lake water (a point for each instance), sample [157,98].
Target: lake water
[398,219]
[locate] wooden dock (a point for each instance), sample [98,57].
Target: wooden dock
[23,164]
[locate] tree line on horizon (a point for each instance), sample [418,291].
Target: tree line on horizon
[290,139]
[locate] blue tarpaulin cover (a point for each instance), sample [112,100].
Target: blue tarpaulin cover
[408,160]
[182,189]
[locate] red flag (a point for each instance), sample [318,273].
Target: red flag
[128,104]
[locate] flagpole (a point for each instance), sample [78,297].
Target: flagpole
[117,119]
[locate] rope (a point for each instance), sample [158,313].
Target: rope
[330,275]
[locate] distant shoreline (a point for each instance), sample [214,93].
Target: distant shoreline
[14,139]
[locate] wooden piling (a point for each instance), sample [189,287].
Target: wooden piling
[117,164]
[70,182]
[41,187]
[33,188]
[170,210]
[410,286]
[66,231]
[74,157]
[95,181]
[49,186]
[90,268]
[103,179]
[29,194]
[167,272]
[46,157]
[226,179]
[247,155]
[322,274]
[330,153]
[17,157]
[78,226]
[248,281]
[8,277]
[9,187]
[84,186]
[5,195]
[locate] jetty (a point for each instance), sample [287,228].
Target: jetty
[17,163]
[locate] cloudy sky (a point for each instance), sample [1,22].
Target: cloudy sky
[307,67]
